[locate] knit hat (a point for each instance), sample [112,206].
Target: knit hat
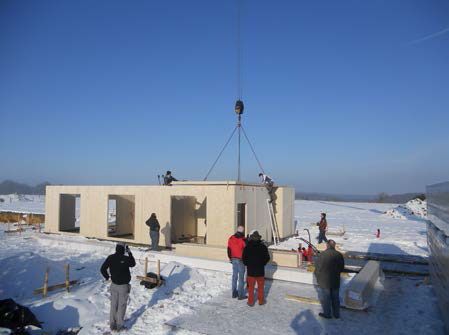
[254,235]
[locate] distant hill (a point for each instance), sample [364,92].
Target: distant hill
[385,198]
[10,187]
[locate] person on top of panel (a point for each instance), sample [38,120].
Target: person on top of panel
[268,182]
[168,178]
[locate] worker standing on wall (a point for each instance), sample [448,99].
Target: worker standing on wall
[168,178]
[255,257]
[322,226]
[268,182]
[328,266]
[236,244]
[118,265]
[155,227]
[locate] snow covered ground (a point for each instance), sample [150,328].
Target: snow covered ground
[23,259]
[192,301]
[404,235]
[197,301]
[22,203]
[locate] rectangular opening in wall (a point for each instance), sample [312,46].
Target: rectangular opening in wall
[69,213]
[241,215]
[121,214]
[188,219]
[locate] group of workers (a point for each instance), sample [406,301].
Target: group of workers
[252,253]
[248,255]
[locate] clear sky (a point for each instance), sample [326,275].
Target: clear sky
[340,96]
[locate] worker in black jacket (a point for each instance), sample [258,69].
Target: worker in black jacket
[328,266]
[118,265]
[155,227]
[255,257]
[168,178]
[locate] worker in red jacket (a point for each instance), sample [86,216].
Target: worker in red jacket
[236,244]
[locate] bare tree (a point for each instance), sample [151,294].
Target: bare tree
[382,197]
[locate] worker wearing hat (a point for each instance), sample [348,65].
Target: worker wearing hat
[255,257]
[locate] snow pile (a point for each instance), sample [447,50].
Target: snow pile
[418,207]
[413,208]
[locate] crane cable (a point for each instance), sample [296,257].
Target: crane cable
[239,51]
[239,103]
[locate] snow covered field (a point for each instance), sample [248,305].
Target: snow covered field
[399,235]
[22,203]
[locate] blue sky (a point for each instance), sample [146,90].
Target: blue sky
[340,96]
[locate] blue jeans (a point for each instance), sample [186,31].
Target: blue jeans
[330,299]
[154,235]
[238,274]
[322,237]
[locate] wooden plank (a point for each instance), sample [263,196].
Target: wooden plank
[311,301]
[55,287]
[67,277]
[306,300]
[45,288]
[19,230]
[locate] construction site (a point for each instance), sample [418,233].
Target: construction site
[60,252]
[194,216]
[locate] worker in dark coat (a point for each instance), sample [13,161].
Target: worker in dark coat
[153,223]
[322,226]
[236,244]
[168,178]
[328,267]
[118,266]
[255,257]
[268,182]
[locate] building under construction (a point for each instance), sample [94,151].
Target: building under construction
[197,213]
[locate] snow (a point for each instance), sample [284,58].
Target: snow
[21,203]
[196,301]
[23,260]
[360,221]
[405,306]
[413,208]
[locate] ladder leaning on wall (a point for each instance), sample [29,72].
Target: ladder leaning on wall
[273,222]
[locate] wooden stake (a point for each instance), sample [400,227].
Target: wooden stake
[145,267]
[158,271]
[44,293]
[67,277]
